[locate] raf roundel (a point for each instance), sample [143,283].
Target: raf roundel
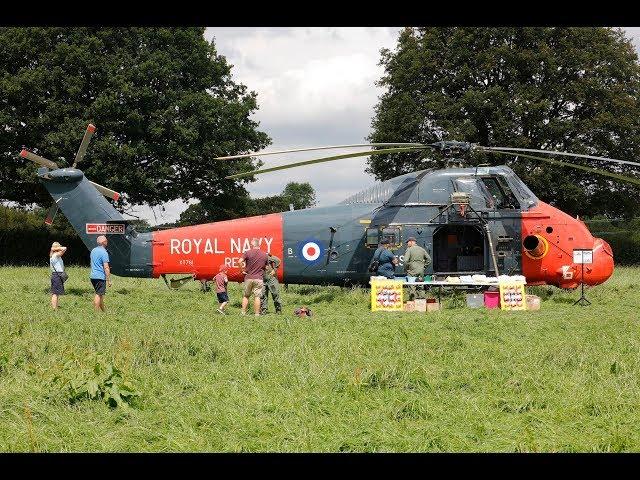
[310,251]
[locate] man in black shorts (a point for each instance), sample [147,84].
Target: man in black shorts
[100,272]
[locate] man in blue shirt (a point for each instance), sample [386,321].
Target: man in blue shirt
[100,272]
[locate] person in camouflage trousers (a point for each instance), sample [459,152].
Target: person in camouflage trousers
[271,285]
[416,259]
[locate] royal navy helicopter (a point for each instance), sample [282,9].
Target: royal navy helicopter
[478,220]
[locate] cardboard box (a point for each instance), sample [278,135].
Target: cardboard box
[433,306]
[420,305]
[533,302]
[410,306]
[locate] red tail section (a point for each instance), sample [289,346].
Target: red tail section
[201,249]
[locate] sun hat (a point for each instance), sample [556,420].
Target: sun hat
[55,245]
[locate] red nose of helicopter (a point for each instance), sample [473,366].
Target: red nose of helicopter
[602,267]
[550,241]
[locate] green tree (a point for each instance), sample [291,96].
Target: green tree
[572,89]
[163,100]
[301,195]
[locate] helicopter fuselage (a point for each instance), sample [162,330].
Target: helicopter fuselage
[470,221]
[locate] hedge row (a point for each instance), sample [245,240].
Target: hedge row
[622,234]
[625,246]
[32,248]
[26,240]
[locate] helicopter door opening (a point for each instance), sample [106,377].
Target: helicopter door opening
[458,249]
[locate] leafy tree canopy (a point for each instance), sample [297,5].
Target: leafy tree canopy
[300,195]
[163,101]
[572,89]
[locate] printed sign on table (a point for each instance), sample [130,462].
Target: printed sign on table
[512,296]
[386,295]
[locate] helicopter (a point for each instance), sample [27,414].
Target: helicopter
[474,220]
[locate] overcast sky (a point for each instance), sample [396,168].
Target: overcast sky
[315,87]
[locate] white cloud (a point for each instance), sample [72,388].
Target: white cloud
[316,86]
[634,34]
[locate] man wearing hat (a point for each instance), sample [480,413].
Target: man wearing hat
[416,259]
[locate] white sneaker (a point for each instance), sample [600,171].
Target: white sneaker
[244,314]
[221,311]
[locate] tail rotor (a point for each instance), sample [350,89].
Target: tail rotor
[48,164]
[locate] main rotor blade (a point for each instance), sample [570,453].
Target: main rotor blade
[262,154]
[84,144]
[325,159]
[566,154]
[51,214]
[38,159]
[107,192]
[622,178]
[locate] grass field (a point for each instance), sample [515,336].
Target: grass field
[565,378]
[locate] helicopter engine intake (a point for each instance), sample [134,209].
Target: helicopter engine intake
[535,246]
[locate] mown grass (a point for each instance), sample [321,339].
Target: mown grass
[565,378]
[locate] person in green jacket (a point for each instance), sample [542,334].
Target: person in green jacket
[271,285]
[416,259]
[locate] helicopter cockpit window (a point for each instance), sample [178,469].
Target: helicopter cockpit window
[479,195]
[525,196]
[503,198]
[511,198]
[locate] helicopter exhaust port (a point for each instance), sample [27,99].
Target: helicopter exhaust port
[535,246]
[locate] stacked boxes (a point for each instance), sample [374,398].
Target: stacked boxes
[422,305]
